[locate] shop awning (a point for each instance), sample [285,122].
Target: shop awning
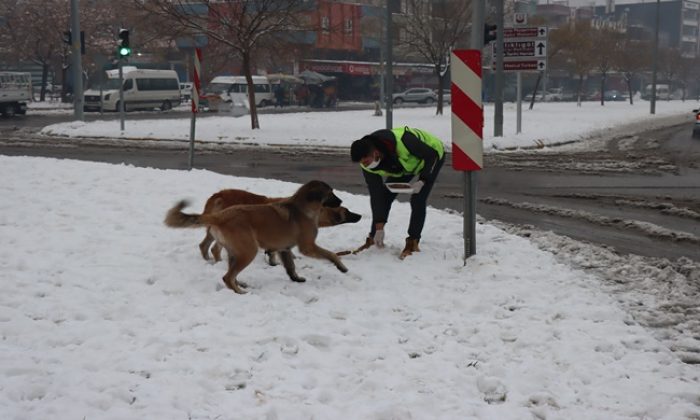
[315,78]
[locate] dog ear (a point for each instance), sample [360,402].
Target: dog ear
[316,195]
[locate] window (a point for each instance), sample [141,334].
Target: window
[156,84]
[325,24]
[264,88]
[348,26]
[129,84]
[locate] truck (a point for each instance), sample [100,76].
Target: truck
[15,92]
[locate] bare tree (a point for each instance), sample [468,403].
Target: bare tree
[607,45]
[580,57]
[432,29]
[632,58]
[35,30]
[241,27]
[561,40]
[687,73]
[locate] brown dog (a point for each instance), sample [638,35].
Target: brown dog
[329,216]
[279,226]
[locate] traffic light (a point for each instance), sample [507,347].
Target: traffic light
[489,33]
[68,39]
[124,48]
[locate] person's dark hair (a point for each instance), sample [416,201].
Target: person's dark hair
[361,148]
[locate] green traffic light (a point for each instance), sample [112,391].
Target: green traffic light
[124,51]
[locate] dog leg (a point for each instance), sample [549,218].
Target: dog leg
[236,264]
[216,251]
[205,244]
[315,251]
[272,258]
[288,262]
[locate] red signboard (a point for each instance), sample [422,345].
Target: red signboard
[529,32]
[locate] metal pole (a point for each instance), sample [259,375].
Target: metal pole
[469,177]
[78,100]
[655,60]
[382,76]
[121,96]
[519,107]
[498,91]
[193,121]
[389,82]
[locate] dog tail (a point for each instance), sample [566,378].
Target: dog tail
[175,218]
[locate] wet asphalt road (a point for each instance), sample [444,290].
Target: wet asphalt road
[589,196]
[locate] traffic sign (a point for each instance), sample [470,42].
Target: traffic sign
[525,32]
[524,65]
[524,49]
[519,19]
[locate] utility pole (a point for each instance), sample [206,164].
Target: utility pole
[389,72]
[78,100]
[655,61]
[498,94]
[469,177]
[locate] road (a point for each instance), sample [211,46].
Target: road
[640,194]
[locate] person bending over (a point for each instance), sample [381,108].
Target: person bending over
[398,155]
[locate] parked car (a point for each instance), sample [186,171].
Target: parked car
[186,91]
[420,95]
[696,125]
[554,95]
[223,91]
[446,96]
[614,95]
[15,92]
[610,96]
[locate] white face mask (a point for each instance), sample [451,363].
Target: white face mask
[374,164]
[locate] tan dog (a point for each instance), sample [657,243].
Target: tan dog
[279,226]
[329,216]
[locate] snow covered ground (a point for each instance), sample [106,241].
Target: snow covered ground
[108,314]
[547,124]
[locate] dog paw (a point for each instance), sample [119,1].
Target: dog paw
[299,279]
[342,268]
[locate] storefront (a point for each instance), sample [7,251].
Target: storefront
[361,81]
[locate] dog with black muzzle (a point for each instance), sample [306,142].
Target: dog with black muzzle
[243,230]
[329,216]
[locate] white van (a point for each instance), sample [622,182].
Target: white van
[662,92]
[223,91]
[143,89]
[15,92]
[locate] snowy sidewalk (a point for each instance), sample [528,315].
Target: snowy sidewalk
[108,314]
[546,124]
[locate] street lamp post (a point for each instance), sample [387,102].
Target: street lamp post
[655,61]
[76,61]
[389,69]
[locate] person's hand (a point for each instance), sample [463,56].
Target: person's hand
[379,238]
[417,186]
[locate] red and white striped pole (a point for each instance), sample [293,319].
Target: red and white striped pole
[196,92]
[467,133]
[196,84]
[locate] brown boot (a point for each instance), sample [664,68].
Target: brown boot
[410,248]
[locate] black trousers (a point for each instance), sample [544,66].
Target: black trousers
[381,200]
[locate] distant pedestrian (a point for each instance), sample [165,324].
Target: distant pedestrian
[279,96]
